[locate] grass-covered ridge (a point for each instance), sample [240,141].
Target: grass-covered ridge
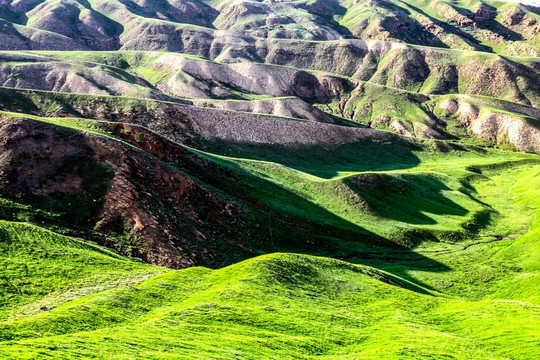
[393,191]
[490,26]
[465,287]
[288,306]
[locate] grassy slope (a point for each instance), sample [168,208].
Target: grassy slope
[394,198]
[41,269]
[281,306]
[476,298]
[467,299]
[404,198]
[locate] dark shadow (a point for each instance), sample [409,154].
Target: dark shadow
[9,29]
[7,13]
[535,123]
[326,160]
[447,81]
[16,101]
[404,198]
[484,18]
[403,27]
[74,207]
[326,10]
[96,84]
[399,264]
[533,9]
[528,73]
[453,30]
[21,57]
[162,10]
[110,30]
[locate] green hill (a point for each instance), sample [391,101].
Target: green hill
[279,305]
[307,179]
[468,293]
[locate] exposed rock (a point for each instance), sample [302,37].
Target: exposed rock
[287,107]
[499,127]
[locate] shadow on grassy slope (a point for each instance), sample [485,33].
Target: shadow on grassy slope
[269,218]
[410,30]
[407,197]
[452,29]
[327,160]
[485,18]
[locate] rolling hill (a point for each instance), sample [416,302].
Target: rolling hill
[309,179]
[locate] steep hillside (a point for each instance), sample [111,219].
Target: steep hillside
[509,28]
[251,178]
[384,98]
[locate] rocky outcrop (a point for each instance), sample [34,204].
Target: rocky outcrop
[519,128]
[286,107]
[120,191]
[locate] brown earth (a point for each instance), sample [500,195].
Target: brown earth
[153,199]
